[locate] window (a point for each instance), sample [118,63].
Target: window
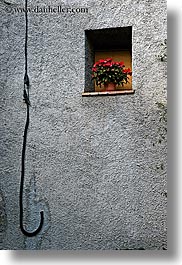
[113,43]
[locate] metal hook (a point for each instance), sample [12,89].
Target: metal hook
[26,233]
[34,233]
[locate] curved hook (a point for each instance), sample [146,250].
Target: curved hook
[26,233]
[34,233]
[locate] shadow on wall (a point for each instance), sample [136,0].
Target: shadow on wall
[3,219]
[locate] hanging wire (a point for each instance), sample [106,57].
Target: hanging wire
[26,99]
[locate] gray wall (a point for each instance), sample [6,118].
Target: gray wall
[95,165]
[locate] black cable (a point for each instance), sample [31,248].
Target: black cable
[26,98]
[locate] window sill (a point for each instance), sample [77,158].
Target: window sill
[108,93]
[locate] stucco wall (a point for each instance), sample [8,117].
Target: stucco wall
[95,165]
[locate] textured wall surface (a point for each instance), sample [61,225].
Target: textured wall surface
[95,165]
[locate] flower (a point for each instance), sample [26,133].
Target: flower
[121,64]
[94,69]
[107,71]
[127,70]
[102,61]
[108,59]
[108,64]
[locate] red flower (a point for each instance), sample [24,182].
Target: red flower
[102,61]
[121,64]
[108,59]
[108,64]
[127,70]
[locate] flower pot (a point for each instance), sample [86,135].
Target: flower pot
[110,86]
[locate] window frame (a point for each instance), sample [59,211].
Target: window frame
[95,40]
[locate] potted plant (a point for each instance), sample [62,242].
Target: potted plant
[110,73]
